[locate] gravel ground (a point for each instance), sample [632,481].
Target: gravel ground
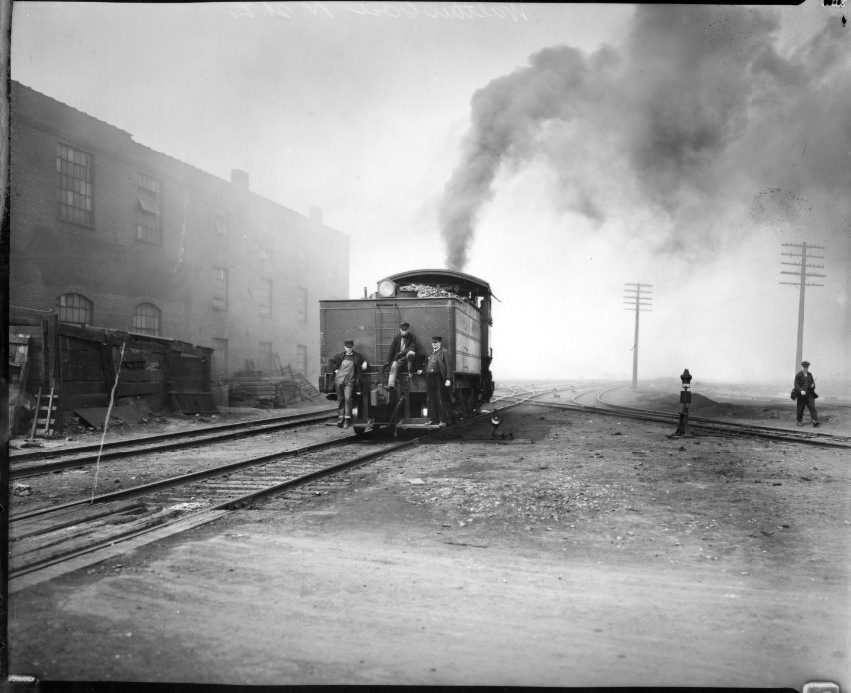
[588,551]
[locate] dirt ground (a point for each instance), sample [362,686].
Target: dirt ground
[588,551]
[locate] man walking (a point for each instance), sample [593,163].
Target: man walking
[438,381]
[805,393]
[347,366]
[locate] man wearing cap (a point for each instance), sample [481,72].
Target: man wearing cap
[402,348]
[805,393]
[347,366]
[438,381]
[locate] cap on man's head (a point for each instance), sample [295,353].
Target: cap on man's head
[404,326]
[349,342]
[805,363]
[437,339]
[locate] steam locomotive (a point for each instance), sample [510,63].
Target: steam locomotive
[453,305]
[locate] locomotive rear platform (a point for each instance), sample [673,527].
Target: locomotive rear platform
[586,552]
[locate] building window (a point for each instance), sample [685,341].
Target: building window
[75,195]
[301,359]
[220,288]
[301,255]
[220,356]
[265,297]
[266,357]
[148,226]
[146,319]
[75,308]
[220,224]
[301,304]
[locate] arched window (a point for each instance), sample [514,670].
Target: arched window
[75,308]
[146,319]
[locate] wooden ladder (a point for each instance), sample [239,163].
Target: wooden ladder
[44,420]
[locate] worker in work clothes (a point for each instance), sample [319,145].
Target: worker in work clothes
[402,348]
[805,393]
[438,381]
[347,366]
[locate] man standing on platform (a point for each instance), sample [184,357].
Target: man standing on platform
[403,348]
[347,366]
[438,381]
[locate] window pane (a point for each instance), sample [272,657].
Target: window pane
[75,189]
[301,304]
[220,288]
[264,298]
[75,308]
[146,319]
[148,217]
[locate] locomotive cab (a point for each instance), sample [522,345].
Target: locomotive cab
[454,305]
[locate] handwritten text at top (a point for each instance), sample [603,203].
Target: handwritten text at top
[393,10]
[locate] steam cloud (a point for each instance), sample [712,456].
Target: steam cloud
[697,120]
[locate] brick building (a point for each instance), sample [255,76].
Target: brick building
[109,233]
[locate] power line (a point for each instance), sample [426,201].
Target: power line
[803,275]
[640,303]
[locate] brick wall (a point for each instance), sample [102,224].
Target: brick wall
[110,266]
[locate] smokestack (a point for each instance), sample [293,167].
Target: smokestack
[239,179]
[316,215]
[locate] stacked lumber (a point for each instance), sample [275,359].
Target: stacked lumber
[252,388]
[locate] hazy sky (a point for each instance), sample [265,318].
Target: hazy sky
[557,151]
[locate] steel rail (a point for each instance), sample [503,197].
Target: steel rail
[66,509]
[820,438]
[90,447]
[210,511]
[76,457]
[711,425]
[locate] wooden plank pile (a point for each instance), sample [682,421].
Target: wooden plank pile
[278,388]
[252,389]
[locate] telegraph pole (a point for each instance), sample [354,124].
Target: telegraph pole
[803,275]
[637,296]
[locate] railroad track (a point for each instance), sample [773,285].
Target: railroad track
[41,461]
[696,423]
[47,537]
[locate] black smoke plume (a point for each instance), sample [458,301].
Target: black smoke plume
[691,120]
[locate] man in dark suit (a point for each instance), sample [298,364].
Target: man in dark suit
[805,392]
[403,348]
[438,373]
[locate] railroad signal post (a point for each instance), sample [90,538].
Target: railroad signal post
[685,400]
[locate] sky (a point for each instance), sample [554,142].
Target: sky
[562,152]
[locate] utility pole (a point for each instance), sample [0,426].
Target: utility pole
[803,275]
[637,296]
